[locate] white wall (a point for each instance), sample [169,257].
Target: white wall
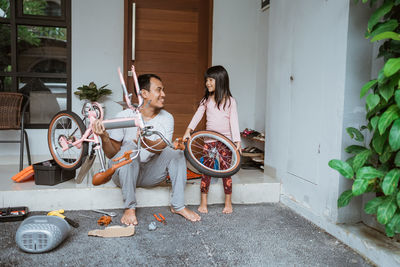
[331,72]
[240,45]
[97,44]
[358,72]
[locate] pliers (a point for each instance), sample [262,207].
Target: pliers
[162,220]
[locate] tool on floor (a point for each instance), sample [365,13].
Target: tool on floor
[109,213]
[152,226]
[38,234]
[58,213]
[104,220]
[161,219]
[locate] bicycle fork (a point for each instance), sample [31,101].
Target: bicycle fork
[99,153]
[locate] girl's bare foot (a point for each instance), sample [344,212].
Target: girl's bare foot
[203,204]
[228,204]
[202,209]
[187,214]
[129,217]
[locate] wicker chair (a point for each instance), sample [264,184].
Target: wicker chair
[12,118]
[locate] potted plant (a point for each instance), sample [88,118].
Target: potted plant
[92,93]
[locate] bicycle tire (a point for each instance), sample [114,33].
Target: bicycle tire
[70,126]
[195,150]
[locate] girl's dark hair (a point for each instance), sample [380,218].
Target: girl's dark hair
[222,93]
[144,81]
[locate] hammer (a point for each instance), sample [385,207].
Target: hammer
[58,213]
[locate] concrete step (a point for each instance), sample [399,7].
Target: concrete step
[249,186]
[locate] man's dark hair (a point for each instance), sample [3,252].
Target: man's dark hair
[144,81]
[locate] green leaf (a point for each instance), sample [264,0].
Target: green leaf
[381,77]
[372,100]
[391,66]
[354,149]
[354,133]
[397,159]
[386,91]
[386,210]
[359,186]
[342,167]
[344,198]
[390,181]
[374,122]
[378,14]
[378,141]
[386,26]
[394,135]
[369,173]
[386,155]
[360,159]
[372,206]
[392,113]
[397,97]
[386,35]
[394,225]
[398,199]
[366,87]
[350,161]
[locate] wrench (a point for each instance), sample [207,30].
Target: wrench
[109,213]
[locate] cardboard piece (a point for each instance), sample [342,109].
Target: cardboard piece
[114,231]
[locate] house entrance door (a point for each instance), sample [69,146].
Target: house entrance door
[172,39]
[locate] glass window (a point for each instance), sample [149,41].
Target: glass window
[4,8]
[35,55]
[42,49]
[51,8]
[5,84]
[5,48]
[47,97]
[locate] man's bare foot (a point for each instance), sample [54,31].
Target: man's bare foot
[187,214]
[129,217]
[202,209]
[228,204]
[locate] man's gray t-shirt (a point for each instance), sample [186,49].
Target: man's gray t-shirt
[163,122]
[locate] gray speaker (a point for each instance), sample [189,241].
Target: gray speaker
[38,234]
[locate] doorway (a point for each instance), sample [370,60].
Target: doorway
[172,39]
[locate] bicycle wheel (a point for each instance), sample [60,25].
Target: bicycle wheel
[65,128]
[212,154]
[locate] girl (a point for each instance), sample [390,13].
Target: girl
[221,114]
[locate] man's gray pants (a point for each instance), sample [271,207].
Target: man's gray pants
[151,173]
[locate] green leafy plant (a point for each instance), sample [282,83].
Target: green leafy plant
[91,92]
[375,167]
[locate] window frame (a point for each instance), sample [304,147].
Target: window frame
[18,18]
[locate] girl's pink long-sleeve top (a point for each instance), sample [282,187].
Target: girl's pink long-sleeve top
[224,121]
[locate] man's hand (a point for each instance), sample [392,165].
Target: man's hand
[110,146]
[98,128]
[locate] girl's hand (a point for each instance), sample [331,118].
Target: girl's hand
[238,147]
[187,134]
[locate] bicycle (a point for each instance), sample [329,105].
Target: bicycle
[69,139]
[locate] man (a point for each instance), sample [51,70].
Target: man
[153,165]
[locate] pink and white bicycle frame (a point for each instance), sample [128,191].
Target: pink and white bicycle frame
[93,111]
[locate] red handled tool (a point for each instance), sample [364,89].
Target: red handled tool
[162,220]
